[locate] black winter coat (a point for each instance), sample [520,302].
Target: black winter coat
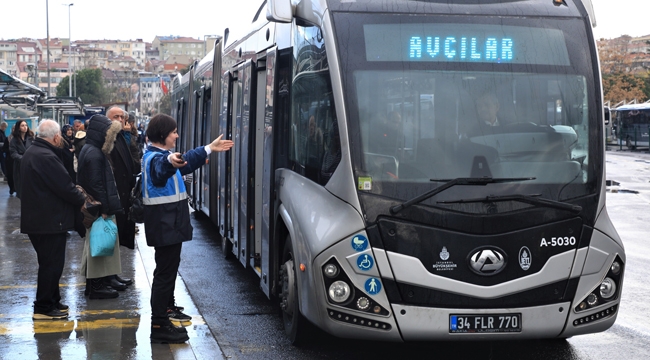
[94,172]
[67,157]
[124,171]
[17,149]
[50,199]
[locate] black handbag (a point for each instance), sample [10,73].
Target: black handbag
[136,211]
[90,210]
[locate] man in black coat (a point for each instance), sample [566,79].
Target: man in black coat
[49,203]
[124,171]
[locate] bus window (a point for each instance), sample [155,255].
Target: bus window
[313,124]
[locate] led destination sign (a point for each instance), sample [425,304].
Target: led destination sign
[465,43]
[470,49]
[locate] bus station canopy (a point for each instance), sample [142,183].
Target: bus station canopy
[12,86]
[63,105]
[18,93]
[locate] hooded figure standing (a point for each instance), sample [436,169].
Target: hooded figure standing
[95,175]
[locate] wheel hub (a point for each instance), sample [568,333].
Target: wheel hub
[287,277]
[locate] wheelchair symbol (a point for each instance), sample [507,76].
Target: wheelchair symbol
[365,262]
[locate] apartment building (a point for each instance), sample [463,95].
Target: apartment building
[9,57]
[179,46]
[151,91]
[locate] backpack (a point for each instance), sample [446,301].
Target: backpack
[136,211]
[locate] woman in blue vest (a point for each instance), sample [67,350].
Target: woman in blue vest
[167,218]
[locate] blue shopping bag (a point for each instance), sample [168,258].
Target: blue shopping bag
[103,234]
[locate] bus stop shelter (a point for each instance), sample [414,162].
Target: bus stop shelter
[61,109]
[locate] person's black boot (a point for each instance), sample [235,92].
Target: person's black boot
[167,334]
[112,282]
[125,281]
[87,291]
[98,290]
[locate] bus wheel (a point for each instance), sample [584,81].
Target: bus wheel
[226,248]
[295,324]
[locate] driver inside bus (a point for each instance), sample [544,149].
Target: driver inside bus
[487,107]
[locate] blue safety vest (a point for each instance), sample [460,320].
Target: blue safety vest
[173,191]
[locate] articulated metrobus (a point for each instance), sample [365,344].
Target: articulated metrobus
[412,170]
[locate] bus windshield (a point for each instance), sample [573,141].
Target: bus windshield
[442,98]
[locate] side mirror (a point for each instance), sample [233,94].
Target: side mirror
[280,11]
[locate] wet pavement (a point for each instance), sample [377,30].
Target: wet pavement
[96,329]
[226,303]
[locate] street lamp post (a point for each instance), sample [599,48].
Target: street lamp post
[47,24]
[69,50]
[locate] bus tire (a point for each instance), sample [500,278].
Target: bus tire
[296,326]
[226,248]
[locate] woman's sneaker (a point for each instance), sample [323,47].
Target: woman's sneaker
[62,307]
[174,314]
[167,334]
[55,314]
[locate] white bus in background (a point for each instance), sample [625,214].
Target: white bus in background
[633,125]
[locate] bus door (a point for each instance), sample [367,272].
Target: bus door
[195,138]
[224,158]
[258,93]
[213,130]
[264,171]
[180,118]
[205,139]
[235,157]
[244,162]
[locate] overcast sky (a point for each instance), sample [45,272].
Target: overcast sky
[144,19]
[124,19]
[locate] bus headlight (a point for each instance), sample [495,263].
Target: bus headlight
[607,288]
[592,299]
[331,270]
[616,268]
[339,291]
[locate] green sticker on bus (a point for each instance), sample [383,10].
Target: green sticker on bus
[365,183]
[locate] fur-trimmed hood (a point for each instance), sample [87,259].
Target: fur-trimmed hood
[102,133]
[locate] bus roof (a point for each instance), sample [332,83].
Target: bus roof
[541,8]
[643,106]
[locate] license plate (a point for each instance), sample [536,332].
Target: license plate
[493,323]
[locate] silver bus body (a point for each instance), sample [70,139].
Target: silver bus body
[444,269]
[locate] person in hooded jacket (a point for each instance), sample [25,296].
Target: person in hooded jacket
[95,175]
[167,218]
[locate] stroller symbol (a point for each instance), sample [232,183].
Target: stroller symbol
[359,243]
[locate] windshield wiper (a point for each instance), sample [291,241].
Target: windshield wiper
[451,183]
[528,199]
